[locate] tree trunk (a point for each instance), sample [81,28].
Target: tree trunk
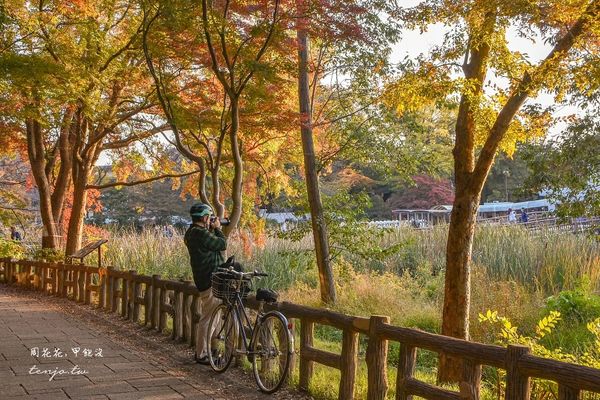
[236,187]
[75,231]
[319,227]
[219,207]
[63,181]
[457,289]
[37,160]
[202,181]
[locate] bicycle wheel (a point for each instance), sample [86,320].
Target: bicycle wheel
[272,348]
[221,338]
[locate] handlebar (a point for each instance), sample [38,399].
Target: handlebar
[242,275]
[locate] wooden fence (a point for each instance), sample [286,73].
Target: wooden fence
[126,292]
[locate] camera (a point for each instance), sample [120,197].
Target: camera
[224,221]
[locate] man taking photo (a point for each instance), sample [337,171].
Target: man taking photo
[205,242]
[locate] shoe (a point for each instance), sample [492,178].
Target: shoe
[202,360]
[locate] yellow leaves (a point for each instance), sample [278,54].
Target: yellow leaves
[423,87]
[508,332]
[546,324]
[594,328]
[491,316]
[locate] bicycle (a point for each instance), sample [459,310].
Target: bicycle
[267,343]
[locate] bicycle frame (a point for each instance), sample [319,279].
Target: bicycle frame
[242,320]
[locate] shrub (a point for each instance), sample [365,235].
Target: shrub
[577,305]
[509,334]
[11,249]
[48,255]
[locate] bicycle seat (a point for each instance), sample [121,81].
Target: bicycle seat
[268,295]
[232,263]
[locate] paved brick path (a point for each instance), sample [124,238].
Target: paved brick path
[135,363]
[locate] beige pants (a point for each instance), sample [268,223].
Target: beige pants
[208,303]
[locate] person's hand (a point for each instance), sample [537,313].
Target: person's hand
[216,224]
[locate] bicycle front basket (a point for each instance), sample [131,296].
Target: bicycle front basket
[225,286]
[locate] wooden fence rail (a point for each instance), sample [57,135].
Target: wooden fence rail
[126,292]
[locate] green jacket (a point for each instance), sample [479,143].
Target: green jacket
[205,249]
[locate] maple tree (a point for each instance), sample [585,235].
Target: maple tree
[223,95]
[424,193]
[77,89]
[491,117]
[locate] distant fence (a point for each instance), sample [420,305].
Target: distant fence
[538,222]
[126,293]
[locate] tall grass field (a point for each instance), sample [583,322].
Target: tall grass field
[520,275]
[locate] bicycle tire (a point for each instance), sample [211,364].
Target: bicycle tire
[272,347]
[221,338]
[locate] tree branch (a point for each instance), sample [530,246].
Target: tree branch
[122,49]
[211,50]
[263,48]
[156,178]
[118,144]
[11,183]
[17,209]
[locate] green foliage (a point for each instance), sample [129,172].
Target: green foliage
[286,265]
[507,178]
[48,255]
[568,169]
[11,249]
[577,305]
[149,253]
[348,229]
[508,334]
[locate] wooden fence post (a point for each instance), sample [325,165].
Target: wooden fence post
[43,277]
[162,314]
[11,271]
[307,329]
[147,303]
[101,288]
[177,315]
[130,296]
[125,295]
[110,288]
[195,320]
[406,369]
[567,393]
[290,376]
[471,382]
[88,290]
[28,283]
[116,281]
[55,279]
[348,364]
[62,280]
[137,292]
[8,272]
[377,353]
[81,284]
[517,385]
[155,301]
[188,313]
